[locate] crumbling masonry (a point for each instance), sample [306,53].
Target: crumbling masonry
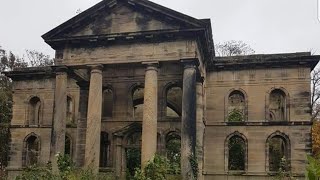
[133,76]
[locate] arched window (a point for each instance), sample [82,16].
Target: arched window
[34,111]
[174,102]
[70,110]
[107,103]
[68,146]
[173,149]
[104,149]
[277,106]
[137,102]
[278,149]
[236,106]
[236,153]
[32,150]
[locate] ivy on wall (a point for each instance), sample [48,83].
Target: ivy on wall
[235,116]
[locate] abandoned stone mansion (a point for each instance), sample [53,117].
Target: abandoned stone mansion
[133,79]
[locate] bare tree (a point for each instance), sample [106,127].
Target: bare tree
[233,48]
[38,59]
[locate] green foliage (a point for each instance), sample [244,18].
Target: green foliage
[194,165]
[65,165]
[173,149]
[36,172]
[276,154]
[5,100]
[133,161]
[157,169]
[283,172]
[5,117]
[4,141]
[9,61]
[67,171]
[138,175]
[235,116]
[313,168]
[236,153]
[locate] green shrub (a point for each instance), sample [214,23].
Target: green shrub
[313,168]
[194,165]
[36,172]
[235,116]
[157,169]
[65,166]
[67,171]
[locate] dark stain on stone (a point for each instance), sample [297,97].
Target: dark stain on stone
[304,94]
[142,22]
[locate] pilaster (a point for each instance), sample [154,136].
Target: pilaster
[188,119]
[200,125]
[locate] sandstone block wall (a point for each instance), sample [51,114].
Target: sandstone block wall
[256,85]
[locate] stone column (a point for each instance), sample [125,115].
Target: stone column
[150,113]
[92,150]
[188,119]
[200,126]
[60,115]
[82,123]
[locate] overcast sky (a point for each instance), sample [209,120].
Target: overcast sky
[268,26]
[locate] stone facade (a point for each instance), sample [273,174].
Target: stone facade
[133,75]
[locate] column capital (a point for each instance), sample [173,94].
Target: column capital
[190,62]
[60,69]
[95,68]
[152,65]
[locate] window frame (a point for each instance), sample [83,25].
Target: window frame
[226,152]
[226,109]
[286,139]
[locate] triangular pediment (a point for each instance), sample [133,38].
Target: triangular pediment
[123,16]
[122,19]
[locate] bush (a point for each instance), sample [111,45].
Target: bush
[313,168]
[37,173]
[67,171]
[283,172]
[157,169]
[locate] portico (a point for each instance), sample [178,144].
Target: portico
[150,118]
[125,75]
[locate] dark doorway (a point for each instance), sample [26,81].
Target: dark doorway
[133,158]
